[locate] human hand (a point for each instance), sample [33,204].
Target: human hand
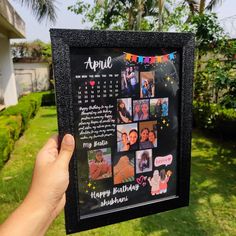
[46,197]
[51,176]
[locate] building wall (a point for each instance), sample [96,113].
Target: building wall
[31,77]
[7,78]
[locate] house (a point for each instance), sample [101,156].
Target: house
[31,75]
[11,27]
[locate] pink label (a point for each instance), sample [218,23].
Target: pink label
[165,160]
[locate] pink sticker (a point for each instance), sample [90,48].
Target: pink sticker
[141,180]
[164,160]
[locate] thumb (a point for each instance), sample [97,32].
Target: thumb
[66,151]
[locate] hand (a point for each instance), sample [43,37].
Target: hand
[46,197]
[51,176]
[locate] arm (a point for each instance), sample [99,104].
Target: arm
[123,118]
[46,197]
[150,181]
[125,80]
[95,170]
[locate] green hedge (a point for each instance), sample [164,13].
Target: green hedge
[27,107]
[10,128]
[214,118]
[14,120]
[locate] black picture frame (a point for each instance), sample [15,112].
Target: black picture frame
[64,41]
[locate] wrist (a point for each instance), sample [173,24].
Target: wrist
[27,220]
[37,214]
[35,202]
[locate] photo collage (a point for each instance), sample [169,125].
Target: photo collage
[138,109]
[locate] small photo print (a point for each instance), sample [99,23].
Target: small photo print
[130,81]
[123,169]
[143,161]
[99,161]
[124,110]
[141,109]
[159,107]
[148,134]
[147,84]
[127,137]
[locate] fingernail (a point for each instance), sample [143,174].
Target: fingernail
[68,139]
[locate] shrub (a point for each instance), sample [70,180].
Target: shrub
[14,120]
[6,145]
[10,128]
[214,118]
[27,107]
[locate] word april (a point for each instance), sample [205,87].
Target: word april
[94,65]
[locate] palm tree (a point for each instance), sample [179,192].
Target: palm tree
[200,5]
[160,13]
[42,9]
[137,9]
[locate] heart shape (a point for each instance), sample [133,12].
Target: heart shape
[141,179]
[92,82]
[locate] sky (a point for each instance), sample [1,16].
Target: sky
[69,20]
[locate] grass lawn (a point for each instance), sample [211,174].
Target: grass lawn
[212,209]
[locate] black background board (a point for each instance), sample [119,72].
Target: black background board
[165,60]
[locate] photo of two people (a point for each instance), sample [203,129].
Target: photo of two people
[148,135]
[159,107]
[132,86]
[127,137]
[141,109]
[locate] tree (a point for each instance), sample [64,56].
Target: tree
[140,14]
[123,14]
[37,50]
[41,8]
[199,6]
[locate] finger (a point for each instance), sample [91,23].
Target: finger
[52,142]
[66,151]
